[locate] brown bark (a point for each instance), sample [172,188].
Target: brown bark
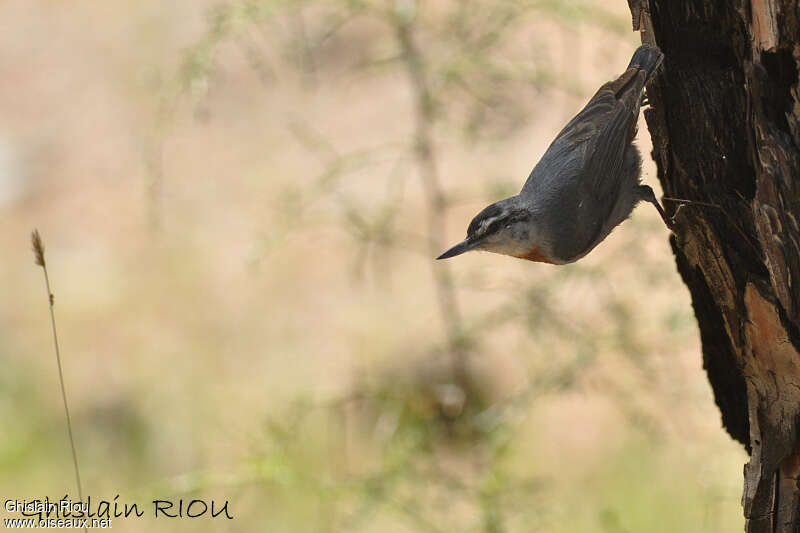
[725,123]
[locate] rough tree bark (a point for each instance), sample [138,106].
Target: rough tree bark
[725,123]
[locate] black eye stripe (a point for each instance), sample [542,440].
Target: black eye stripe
[500,219]
[495,225]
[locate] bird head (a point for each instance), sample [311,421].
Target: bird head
[506,227]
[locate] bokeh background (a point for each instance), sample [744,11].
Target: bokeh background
[241,203]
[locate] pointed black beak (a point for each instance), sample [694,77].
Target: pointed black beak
[464,246]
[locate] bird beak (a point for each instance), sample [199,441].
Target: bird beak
[464,246]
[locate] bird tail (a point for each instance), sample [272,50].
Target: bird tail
[648,58]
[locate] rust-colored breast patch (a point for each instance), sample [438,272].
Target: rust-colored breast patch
[535,254]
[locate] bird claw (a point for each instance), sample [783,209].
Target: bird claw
[674,217]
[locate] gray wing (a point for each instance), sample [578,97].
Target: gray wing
[580,171]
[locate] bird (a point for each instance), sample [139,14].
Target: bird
[585,184]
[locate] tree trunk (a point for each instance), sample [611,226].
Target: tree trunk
[725,123]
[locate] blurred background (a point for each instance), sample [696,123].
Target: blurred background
[241,202]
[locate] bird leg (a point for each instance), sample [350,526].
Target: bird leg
[647,194]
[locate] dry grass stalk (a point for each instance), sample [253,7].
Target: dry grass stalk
[38,252]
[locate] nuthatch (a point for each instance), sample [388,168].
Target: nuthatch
[586,183]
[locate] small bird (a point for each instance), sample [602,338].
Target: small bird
[585,185]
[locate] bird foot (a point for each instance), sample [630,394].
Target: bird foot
[646,193]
